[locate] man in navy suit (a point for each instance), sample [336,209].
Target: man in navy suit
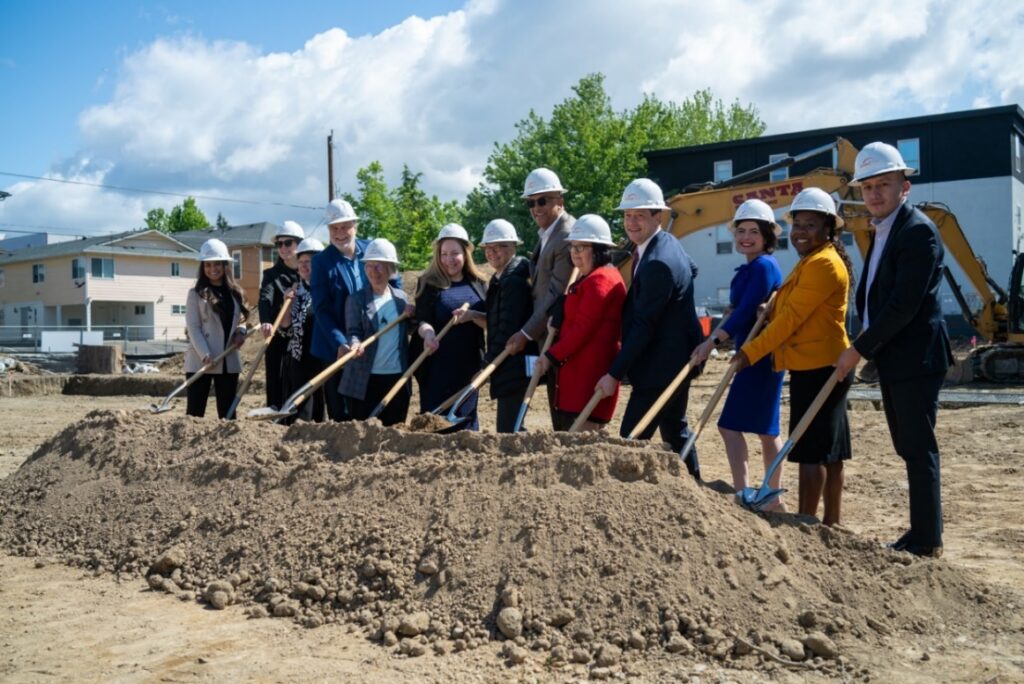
[337,274]
[660,327]
[903,331]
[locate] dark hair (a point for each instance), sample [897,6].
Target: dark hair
[602,254]
[204,289]
[771,240]
[837,243]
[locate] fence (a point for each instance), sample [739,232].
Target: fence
[30,337]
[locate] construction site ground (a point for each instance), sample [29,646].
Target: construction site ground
[954,619]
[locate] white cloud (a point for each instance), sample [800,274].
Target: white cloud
[222,118]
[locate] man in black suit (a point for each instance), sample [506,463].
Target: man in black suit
[904,333]
[660,327]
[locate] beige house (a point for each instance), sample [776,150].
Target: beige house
[132,286]
[252,251]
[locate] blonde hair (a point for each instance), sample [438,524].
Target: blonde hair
[435,275]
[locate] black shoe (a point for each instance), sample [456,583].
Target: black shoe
[900,544]
[924,551]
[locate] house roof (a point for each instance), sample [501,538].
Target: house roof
[245,235]
[110,245]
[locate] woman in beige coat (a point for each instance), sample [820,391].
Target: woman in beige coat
[214,315]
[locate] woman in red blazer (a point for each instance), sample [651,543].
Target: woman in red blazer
[589,336]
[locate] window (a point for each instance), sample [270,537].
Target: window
[723,170]
[175,268]
[268,256]
[236,258]
[910,150]
[783,236]
[140,309]
[38,273]
[723,240]
[102,268]
[1016,217]
[178,309]
[778,174]
[77,269]
[1017,151]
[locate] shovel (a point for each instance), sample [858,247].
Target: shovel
[726,379]
[412,368]
[587,410]
[165,405]
[259,358]
[760,498]
[457,400]
[655,409]
[535,377]
[291,405]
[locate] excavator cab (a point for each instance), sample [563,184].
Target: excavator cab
[1015,303]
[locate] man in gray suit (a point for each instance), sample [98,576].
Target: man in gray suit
[550,266]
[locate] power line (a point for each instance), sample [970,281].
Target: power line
[52,230]
[159,192]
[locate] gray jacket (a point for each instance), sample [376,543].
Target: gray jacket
[206,335]
[360,323]
[550,275]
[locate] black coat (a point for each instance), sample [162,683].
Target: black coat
[906,334]
[426,305]
[509,307]
[277,280]
[660,327]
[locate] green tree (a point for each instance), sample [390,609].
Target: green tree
[186,216]
[156,219]
[596,151]
[405,214]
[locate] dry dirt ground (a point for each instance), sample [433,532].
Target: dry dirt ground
[61,623]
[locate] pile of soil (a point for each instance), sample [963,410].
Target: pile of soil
[152,385]
[581,547]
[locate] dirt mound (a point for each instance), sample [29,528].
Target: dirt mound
[586,548]
[148,384]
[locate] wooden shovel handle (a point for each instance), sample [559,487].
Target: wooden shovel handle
[478,379]
[419,360]
[663,398]
[262,352]
[587,410]
[812,410]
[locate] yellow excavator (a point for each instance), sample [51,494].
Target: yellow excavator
[1000,320]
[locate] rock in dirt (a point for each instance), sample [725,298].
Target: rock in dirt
[510,622]
[792,649]
[679,644]
[820,645]
[169,560]
[414,623]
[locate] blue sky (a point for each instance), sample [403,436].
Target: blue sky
[231,99]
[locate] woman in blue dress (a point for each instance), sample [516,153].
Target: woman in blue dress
[450,281]
[753,402]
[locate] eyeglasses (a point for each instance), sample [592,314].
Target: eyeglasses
[579,248]
[530,204]
[285,243]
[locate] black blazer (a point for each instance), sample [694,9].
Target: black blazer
[906,334]
[277,280]
[509,307]
[660,328]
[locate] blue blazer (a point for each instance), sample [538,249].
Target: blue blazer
[333,280]
[660,328]
[906,335]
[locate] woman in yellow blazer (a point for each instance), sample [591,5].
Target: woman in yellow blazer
[805,335]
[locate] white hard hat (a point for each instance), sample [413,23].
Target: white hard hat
[755,210]
[290,229]
[214,250]
[339,211]
[591,228]
[877,158]
[309,245]
[381,250]
[541,180]
[814,199]
[643,193]
[500,230]
[453,230]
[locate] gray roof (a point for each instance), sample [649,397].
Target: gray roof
[245,235]
[103,244]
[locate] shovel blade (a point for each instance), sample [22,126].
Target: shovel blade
[271,413]
[159,408]
[377,411]
[757,498]
[518,426]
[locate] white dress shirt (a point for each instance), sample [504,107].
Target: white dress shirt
[882,229]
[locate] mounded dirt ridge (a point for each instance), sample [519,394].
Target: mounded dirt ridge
[582,547]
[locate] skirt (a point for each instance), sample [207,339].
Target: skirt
[827,439]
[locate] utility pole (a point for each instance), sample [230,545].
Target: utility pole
[330,166]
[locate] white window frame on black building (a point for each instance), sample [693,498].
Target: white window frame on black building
[913,160]
[722,170]
[778,174]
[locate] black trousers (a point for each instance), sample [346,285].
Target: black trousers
[508,410]
[295,374]
[377,386]
[225,385]
[273,370]
[670,422]
[559,421]
[337,405]
[910,409]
